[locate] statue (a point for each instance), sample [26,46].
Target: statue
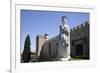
[59,46]
[64,41]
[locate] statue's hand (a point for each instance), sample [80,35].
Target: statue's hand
[66,32]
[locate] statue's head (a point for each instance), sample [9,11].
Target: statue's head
[64,20]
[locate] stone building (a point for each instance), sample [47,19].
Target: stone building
[40,39]
[49,49]
[79,37]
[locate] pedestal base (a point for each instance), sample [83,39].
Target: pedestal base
[65,59]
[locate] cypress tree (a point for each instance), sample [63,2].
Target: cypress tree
[27,50]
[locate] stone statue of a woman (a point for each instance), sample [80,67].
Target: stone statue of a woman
[64,40]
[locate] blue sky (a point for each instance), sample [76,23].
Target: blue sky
[40,22]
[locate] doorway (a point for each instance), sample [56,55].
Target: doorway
[79,50]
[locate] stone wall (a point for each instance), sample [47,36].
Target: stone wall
[39,43]
[79,38]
